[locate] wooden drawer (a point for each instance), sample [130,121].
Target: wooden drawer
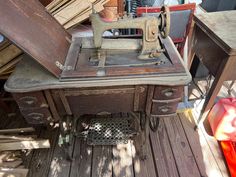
[164,108]
[167,93]
[37,116]
[30,100]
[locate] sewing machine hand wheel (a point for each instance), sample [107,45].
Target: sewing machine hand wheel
[165,22]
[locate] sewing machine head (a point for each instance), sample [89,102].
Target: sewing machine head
[152,28]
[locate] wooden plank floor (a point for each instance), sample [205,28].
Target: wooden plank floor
[175,150]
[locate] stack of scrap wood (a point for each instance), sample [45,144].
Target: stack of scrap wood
[12,141]
[15,139]
[9,56]
[11,164]
[71,12]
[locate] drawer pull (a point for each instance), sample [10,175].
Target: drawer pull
[168,92]
[165,109]
[35,116]
[29,100]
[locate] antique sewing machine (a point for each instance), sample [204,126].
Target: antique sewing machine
[73,77]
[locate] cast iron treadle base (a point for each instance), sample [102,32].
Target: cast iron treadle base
[110,131]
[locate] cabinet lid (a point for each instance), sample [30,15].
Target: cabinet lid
[28,24]
[220,27]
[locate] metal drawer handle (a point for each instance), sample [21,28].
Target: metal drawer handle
[165,109]
[35,116]
[28,100]
[168,92]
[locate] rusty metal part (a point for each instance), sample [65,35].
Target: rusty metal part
[154,123]
[35,31]
[151,47]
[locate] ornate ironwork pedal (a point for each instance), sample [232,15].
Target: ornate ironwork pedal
[110,131]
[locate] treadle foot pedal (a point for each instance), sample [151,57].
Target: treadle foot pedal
[110,131]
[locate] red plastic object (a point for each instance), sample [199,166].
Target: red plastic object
[222,119]
[229,150]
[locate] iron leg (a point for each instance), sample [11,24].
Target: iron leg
[140,140]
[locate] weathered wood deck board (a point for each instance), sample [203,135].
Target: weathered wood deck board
[184,158]
[82,159]
[207,162]
[60,166]
[162,152]
[102,161]
[27,157]
[216,151]
[122,164]
[41,160]
[175,150]
[144,168]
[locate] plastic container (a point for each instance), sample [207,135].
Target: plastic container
[222,119]
[229,150]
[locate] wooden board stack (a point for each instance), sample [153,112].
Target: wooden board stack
[10,55]
[12,141]
[11,164]
[71,12]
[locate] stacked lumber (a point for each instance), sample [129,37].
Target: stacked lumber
[12,142]
[11,164]
[10,55]
[71,12]
[14,139]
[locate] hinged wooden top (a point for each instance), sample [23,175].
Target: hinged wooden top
[27,24]
[221,27]
[30,76]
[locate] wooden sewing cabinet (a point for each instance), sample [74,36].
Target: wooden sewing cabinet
[61,77]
